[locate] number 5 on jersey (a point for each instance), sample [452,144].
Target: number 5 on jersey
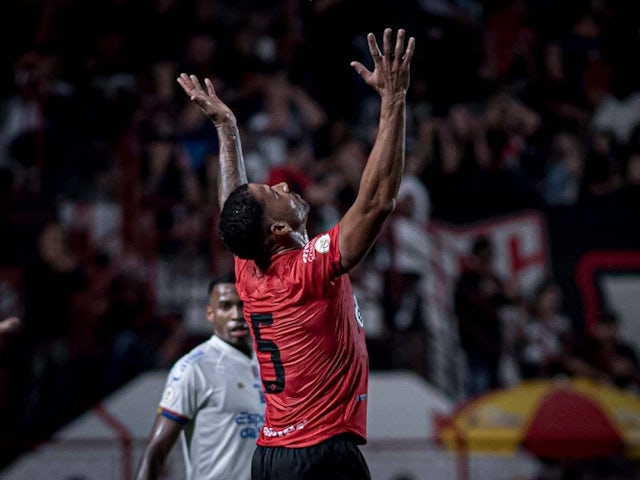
[259,320]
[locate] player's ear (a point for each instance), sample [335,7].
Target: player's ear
[280,228]
[209,313]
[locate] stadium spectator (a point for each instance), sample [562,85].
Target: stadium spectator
[53,279]
[603,356]
[541,348]
[478,295]
[312,179]
[402,256]
[563,179]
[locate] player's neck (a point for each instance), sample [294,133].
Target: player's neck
[294,240]
[243,348]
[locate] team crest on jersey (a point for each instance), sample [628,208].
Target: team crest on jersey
[322,243]
[319,244]
[168,395]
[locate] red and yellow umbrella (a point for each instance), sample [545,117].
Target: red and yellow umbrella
[569,418]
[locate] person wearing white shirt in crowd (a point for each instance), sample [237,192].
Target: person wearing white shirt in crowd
[403,257]
[213,399]
[407,252]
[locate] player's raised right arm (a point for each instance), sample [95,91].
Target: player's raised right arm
[231,169]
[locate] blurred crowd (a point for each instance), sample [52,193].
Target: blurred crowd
[106,168]
[508,337]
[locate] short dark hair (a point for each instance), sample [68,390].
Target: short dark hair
[242,227]
[227,277]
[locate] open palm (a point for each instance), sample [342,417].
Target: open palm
[391,68]
[207,99]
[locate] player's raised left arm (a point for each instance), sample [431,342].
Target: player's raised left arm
[381,177]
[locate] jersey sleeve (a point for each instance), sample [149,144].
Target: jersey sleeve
[182,393]
[319,262]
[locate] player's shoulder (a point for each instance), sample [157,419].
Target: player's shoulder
[321,244]
[202,353]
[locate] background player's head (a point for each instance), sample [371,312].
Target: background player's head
[224,312]
[257,217]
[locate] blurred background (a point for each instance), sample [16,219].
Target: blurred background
[514,252]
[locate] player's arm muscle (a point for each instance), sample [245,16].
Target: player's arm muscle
[163,436]
[231,169]
[379,185]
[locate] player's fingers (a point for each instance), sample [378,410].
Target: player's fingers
[399,44]
[361,69]
[386,44]
[196,83]
[210,90]
[373,48]
[184,81]
[408,53]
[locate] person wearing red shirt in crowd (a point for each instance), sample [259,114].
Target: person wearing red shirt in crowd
[294,171]
[307,330]
[312,180]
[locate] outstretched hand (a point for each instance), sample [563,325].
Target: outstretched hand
[390,75]
[206,99]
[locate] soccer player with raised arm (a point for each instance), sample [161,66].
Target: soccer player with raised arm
[306,326]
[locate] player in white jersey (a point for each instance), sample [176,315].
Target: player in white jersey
[213,399]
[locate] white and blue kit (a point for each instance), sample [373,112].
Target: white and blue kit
[216,393]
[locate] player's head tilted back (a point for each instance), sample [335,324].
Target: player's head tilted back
[258,220]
